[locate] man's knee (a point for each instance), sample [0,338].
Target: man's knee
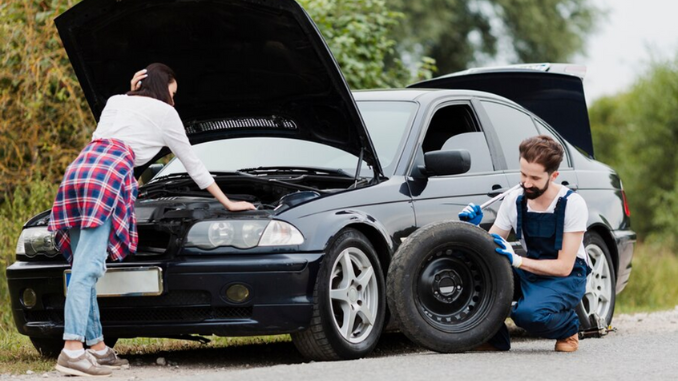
[531,318]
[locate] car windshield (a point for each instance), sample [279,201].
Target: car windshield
[386,122]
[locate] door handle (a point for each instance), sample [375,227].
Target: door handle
[567,184]
[496,192]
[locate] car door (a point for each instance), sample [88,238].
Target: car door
[455,125]
[512,125]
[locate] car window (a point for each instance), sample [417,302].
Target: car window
[475,143]
[229,155]
[387,123]
[512,127]
[544,130]
[447,122]
[455,127]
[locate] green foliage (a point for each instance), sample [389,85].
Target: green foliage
[652,285]
[636,133]
[358,33]
[26,201]
[457,33]
[44,119]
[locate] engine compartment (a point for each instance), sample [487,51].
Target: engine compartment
[166,210]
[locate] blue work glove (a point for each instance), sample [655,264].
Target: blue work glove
[506,250]
[472,214]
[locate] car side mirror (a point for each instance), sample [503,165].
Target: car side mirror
[150,173]
[445,163]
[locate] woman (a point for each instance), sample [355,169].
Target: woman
[93,214]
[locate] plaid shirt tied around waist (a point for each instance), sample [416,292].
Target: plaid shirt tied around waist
[98,185]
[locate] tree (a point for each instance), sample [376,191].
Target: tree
[359,34]
[44,119]
[457,33]
[636,132]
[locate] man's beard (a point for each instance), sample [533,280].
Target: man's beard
[534,192]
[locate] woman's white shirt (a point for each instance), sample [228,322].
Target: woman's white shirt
[147,125]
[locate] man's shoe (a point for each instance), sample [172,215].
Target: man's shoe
[84,365]
[110,359]
[569,344]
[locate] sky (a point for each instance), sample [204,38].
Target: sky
[620,50]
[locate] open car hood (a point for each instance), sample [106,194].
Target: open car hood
[554,92]
[244,67]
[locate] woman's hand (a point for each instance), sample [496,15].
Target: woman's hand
[135,84]
[238,206]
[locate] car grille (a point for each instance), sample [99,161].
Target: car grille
[195,307]
[151,240]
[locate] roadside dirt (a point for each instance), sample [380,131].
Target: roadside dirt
[202,361]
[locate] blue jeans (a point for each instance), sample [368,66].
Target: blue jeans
[81,315]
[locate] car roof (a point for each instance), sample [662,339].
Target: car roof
[420,95]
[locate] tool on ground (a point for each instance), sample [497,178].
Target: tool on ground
[498,197]
[597,329]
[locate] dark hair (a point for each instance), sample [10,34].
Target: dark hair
[155,85]
[542,150]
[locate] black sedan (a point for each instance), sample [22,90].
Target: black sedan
[340,181]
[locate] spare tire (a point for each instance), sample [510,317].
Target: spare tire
[447,288]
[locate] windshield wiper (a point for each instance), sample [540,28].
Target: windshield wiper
[296,170]
[160,184]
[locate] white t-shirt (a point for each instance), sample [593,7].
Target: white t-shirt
[576,215]
[147,125]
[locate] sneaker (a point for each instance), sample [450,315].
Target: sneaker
[569,344]
[84,365]
[110,359]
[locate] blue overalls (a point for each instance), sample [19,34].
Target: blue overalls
[545,304]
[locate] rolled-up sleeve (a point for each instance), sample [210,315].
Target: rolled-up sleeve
[175,138]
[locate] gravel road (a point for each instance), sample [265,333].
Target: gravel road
[644,346]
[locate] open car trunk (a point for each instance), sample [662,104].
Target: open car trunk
[556,98]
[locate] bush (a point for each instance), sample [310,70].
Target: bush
[635,132]
[26,201]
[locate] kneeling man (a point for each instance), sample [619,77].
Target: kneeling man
[550,222]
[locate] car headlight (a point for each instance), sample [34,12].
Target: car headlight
[34,241]
[280,233]
[243,234]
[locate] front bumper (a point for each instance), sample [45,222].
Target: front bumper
[192,301]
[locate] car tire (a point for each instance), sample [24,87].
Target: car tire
[349,302]
[47,347]
[597,306]
[110,341]
[447,288]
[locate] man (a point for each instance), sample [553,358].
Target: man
[550,221]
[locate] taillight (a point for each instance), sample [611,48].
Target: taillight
[627,211]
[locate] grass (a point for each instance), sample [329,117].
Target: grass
[17,355]
[653,285]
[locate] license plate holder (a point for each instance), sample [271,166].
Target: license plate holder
[127,281]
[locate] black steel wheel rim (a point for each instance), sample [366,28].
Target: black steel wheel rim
[453,288]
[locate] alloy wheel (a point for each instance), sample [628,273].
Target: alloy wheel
[354,294]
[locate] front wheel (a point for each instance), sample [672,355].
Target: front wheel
[597,306]
[349,308]
[49,348]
